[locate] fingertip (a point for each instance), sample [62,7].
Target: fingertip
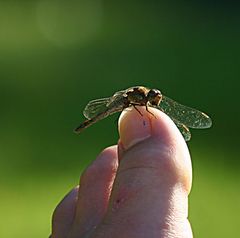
[66,208]
[135,127]
[106,162]
[63,215]
[155,133]
[109,152]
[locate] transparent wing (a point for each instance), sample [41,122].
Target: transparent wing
[184,130]
[105,106]
[187,116]
[95,107]
[117,97]
[101,108]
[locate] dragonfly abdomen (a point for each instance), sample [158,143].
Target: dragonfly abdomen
[89,122]
[98,117]
[83,125]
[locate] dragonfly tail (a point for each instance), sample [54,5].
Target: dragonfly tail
[83,125]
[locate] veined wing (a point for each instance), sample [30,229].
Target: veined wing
[104,105]
[101,108]
[117,98]
[95,107]
[188,116]
[184,130]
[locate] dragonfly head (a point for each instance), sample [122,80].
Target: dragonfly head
[154,97]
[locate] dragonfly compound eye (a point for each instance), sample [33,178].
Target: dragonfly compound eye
[154,96]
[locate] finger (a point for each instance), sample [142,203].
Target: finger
[95,189]
[160,137]
[63,215]
[154,178]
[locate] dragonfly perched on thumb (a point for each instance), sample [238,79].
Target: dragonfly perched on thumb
[184,117]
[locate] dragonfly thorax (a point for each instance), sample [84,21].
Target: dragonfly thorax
[137,96]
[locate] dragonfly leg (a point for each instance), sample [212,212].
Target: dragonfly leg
[149,111]
[134,105]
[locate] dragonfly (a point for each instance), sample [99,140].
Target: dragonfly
[183,116]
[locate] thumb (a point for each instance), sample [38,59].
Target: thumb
[150,193]
[154,141]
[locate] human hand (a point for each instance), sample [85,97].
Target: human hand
[138,189]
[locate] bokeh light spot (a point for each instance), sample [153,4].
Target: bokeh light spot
[69,23]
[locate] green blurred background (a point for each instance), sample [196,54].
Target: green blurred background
[55,56]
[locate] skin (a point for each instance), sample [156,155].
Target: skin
[138,188]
